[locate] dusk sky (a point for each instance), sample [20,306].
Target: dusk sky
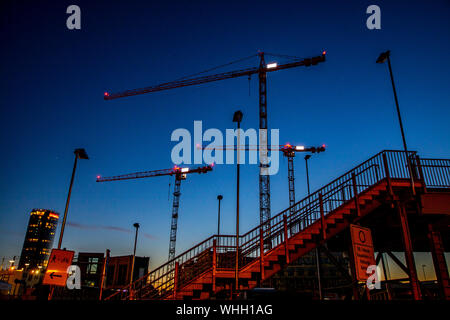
[53,80]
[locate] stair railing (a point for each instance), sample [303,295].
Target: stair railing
[186,267]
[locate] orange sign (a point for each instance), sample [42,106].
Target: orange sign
[56,273]
[363,253]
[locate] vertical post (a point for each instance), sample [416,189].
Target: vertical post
[408,162]
[319,276]
[368,293]
[105,266]
[286,248]
[261,253]
[353,270]
[317,251]
[136,225]
[355,194]
[175,281]
[388,175]
[415,286]
[237,209]
[61,234]
[307,182]
[291,179]
[385,277]
[219,197]
[214,265]
[439,263]
[422,177]
[377,177]
[324,237]
[322,218]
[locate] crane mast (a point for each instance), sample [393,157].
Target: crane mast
[289,152]
[174,222]
[264,178]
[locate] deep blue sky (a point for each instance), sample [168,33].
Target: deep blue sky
[53,81]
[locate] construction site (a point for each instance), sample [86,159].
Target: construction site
[336,239]
[396,200]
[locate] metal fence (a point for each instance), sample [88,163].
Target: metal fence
[220,251]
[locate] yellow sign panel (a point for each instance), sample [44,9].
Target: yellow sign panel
[56,273]
[363,252]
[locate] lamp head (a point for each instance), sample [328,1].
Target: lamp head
[237,117]
[383,56]
[81,154]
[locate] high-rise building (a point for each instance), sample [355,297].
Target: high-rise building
[39,238]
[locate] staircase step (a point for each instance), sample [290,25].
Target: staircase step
[204,295]
[313,230]
[296,241]
[252,283]
[305,236]
[271,257]
[373,192]
[275,259]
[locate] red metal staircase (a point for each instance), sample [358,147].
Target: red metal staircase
[209,267]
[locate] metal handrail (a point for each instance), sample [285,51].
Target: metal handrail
[302,214]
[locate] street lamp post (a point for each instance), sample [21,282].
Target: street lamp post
[307,172]
[136,225]
[219,197]
[79,154]
[381,59]
[317,251]
[237,117]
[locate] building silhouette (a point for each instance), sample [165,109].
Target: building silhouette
[38,239]
[119,270]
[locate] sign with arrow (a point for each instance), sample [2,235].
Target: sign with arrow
[56,273]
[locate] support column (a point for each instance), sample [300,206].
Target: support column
[386,280]
[355,195]
[440,266]
[353,272]
[286,241]
[415,285]
[175,284]
[214,266]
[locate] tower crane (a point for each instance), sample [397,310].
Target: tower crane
[261,71]
[180,174]
[289,152]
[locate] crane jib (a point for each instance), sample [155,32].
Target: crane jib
[210,78]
